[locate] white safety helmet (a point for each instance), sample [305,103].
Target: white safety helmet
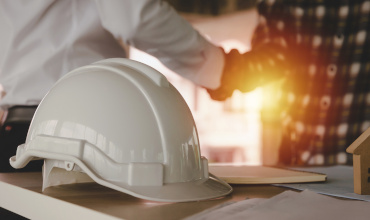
[125,126]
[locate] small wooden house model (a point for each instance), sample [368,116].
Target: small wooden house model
[360,149]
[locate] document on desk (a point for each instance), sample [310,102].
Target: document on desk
[245,174]
[339,182]
[289,205]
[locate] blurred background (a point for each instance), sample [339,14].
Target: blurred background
[244,128]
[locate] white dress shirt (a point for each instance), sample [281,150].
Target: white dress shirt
[40,41]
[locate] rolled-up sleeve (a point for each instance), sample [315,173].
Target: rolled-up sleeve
[155,27]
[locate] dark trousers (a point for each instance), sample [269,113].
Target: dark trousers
[13,133]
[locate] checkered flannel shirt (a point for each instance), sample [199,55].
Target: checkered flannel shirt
[327,93]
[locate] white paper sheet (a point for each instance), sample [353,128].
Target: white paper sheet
[289,205]
[339,182]
[226,210]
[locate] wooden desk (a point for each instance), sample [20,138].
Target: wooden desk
[21,193]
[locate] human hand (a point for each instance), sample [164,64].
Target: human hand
[245,72]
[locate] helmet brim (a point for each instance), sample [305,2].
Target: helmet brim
[208,188]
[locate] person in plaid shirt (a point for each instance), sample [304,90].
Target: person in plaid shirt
[322,50]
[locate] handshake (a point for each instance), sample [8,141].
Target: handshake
[245,72]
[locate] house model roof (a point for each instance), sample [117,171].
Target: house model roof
[360,144]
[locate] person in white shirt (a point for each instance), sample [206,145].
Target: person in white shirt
[40,41]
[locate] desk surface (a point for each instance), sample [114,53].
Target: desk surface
[21,193]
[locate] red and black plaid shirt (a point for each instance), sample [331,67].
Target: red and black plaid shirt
[327,92]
